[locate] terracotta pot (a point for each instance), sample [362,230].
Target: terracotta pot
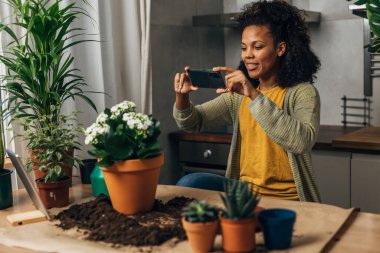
[68,170]
[54,194]
[132,184]
[238,235]
[201,235]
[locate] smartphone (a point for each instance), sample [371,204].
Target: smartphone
[205,78]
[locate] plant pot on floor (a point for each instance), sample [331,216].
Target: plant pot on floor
[54,194]
[6,197]
[238,235]
[86,170]
[201,235]
[132,184]
[98,183]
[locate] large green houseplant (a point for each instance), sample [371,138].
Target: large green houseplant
[129,154]
[40,76]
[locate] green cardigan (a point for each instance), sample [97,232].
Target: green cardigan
[294,128]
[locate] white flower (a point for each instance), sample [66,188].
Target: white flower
[138,121]
[90,129]
[88,140]
[94,131]
[102,118]
[123,107]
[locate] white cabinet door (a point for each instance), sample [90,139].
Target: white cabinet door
[365,182]
[332,170]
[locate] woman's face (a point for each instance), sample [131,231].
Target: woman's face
[259,53]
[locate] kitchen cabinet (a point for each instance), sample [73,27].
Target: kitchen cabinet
[365,181]
[203,157]
[332,169]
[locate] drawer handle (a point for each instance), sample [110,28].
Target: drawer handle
[207,153]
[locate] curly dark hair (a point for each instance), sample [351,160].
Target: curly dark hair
[299,63]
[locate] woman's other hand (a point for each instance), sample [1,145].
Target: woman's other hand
[182,84]
[237,82]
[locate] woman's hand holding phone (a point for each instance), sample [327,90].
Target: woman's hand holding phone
[237,82]
[182,84]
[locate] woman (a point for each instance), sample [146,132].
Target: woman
[271,102]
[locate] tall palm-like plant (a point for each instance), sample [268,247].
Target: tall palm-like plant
[40,76]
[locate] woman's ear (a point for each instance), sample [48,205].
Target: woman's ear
[281,49]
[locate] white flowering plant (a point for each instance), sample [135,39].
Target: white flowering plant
[120,134]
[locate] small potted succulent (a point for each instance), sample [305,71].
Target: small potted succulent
[129,154]
[53,146]
[200,221]
[238,220]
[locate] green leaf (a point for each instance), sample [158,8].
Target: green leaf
[360,2]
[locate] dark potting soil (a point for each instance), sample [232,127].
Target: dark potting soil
[102,223]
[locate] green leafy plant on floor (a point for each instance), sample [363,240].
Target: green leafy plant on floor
[373,15]
[239,201]
[200,211]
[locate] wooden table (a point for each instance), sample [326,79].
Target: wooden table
[361,234]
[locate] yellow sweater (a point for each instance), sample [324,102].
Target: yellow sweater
[264,163]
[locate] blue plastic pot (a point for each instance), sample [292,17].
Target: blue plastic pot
[98,183]
[277,226]
[6,197]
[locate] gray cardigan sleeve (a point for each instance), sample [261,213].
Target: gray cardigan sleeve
[296,130]
[209,115]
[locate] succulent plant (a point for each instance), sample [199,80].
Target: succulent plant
[239,200]
[200,211]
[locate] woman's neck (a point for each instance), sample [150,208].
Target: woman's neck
[266,84]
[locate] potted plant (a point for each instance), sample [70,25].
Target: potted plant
[200,221]
[238,220]
[40,77]
[373,15]
[129,154]
[53,145]
[6,197]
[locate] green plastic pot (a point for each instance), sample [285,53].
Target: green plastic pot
[98,183]
[6,197]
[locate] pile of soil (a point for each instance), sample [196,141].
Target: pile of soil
[102,223]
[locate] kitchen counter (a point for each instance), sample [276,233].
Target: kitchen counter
[335,138]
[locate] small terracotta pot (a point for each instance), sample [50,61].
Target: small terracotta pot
[132,184]
[238,235]
[201,235]
[54,194]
